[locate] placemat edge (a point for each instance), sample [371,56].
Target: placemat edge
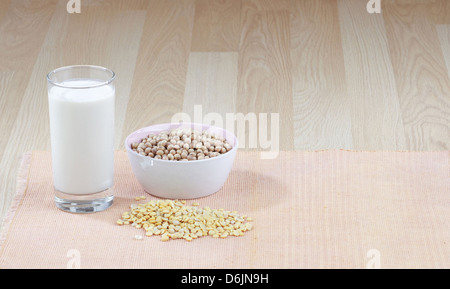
[21,188]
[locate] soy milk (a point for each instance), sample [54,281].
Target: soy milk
[82,136]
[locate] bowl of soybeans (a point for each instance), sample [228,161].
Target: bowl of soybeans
[181,160]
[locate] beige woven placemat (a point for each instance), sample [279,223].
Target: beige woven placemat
[325,209]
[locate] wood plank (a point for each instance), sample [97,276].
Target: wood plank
[23,28]
[321,104]
[443,32]
[376,113]
[216,25]
[212,83]
[437,11]
[115,4]
[6,119]
[160,75]
[268,5]
[421,77]
[265,72]
[4,7]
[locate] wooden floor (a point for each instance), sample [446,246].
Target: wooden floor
[337,76]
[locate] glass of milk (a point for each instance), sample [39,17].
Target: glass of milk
[81,107]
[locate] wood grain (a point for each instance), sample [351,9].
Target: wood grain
[443,32]
[421,76]
[439,12]
[160,75]
[115,4]
[436,11]
[216,25]
[322,116]
[376,116]
[268,5]
[6,89]
[211,83]
[265,71]
[23,28]
[4,5]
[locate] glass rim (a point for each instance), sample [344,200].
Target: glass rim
[102,83]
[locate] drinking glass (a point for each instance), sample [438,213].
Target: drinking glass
[81,108]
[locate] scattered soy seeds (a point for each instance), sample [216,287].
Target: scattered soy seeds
[173,219]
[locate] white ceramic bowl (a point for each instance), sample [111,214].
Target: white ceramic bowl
[178,179]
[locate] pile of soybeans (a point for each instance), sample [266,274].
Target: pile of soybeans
[182,145]
[173,219]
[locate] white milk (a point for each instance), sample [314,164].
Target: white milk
[82,137]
